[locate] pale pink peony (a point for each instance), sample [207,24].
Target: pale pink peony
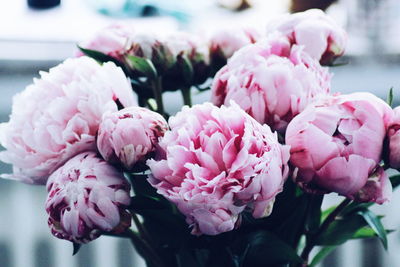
[129,136]
[87,196]
[58,116]
[321,37]
[226,42]
[393,134]
[216,162]
[193,46]
[336,146]
[113,40]
[270,81]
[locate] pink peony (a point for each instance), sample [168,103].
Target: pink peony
[129,136]
[216,162]
[226,42]
[57,117]
[114,40]
[336,146]
[321,37]
[393,134]
[87,196]
[270,82]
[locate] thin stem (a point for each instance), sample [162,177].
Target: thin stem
[187,97]
[311,242]
[142,230]
[142,246]
[157,91]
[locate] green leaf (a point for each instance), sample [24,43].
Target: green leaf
[266,248]
[143,65]
[395,180]
[368,232]
[76,248]
[389,99]
[325,251]
[326,212]
[354,207]
[341,230]
[376,224]
[99,56]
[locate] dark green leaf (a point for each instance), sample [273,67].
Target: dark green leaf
[395,180]
[143,65]
[389,99]
[376,224]
[99,56]
[76,248]
[341,230]
[355,207]
[266,248]
[325,251]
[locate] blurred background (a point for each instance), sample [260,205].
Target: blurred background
[38,36]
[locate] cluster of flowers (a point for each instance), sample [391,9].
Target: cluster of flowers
[77,129]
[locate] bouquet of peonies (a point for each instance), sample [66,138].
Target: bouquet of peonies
[235,182]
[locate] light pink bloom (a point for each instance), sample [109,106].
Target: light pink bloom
[87,196]
[129,136]
[224,43]
[194,47]
[336,146]
[392,152]
[58,116]
[271,82]
[321,37]
[113,40]
[216,162]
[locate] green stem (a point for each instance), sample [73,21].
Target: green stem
[312,240]
[141,245]
[142,230]
[187,97]
[157,91]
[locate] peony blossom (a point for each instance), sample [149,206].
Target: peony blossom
[336,146]
[271,81]
[321,37]
[393,134]
[129,136]
[57,117]
[216,162]
[224,43]
[114,40]
[87,196]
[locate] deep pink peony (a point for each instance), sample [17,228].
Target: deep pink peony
[129,136]
[321,37]
[58,116]
[216,162]
[337,145]
[393,134]
[114,40]
[87,196]
[226,42]
[270,81]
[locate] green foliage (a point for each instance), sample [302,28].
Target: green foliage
[389,99]
[325,251]
[75,248]
[143,66]
[375,223]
